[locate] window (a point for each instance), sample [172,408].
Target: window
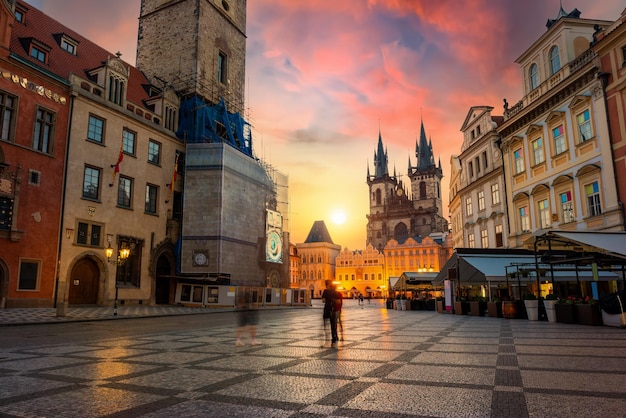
[95,131]
[29,275]
[128,274]
[212,294]
[8,104]
[468,206]
[555,60]
[116,90]
[592,191]
[171,115]
[6,213]
[128,138]
[485,161]
[222,68]
[68,45]
[518,156]
[151,198]
[584,125]
[499,238]
[524,219]
[559,140]
[470,169]
[124,192]
[38,53]
[91,183]
[495,194]
[567,207]
[484,239]
[34,177]
[544,214]
[534,76]
[89,234]
[477,166]
[154,152]
[471,242]
[481,200]
[538,155]
[19,15]
[44,131]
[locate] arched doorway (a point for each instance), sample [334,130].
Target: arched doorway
[162,287]
[84,283]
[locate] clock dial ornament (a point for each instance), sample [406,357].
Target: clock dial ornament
[200,259]
[274,249]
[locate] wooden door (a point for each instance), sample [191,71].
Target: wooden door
[84,283]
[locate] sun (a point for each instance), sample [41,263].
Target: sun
[339,217]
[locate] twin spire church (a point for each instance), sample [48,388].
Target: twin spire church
[400,211]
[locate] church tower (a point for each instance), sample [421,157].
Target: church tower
[232,227]
[397,213]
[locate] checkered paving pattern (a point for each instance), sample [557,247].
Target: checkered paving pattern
[390,364]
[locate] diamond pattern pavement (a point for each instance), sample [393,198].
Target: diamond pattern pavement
[390,364]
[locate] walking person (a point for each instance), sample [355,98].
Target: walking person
[248,320]
[331,298]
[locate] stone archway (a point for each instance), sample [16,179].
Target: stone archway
[84,282]
[163,285]
[4,284]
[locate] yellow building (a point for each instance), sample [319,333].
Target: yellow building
[361,272]
[317,257]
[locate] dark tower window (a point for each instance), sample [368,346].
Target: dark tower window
[423,190]
[378,197]
[222,75]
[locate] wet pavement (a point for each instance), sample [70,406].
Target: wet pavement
[390,364]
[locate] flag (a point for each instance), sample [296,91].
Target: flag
[116,166]
[174,175]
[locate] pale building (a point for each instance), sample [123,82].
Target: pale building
[428,254]
[558,164]
[317,254]
[478,191]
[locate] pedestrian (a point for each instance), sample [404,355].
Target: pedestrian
[331,299]
[360,299]
[369,298]
[248,320]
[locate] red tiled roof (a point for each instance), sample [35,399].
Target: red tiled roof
[46,30]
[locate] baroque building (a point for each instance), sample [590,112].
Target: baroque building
[477,188]
[558,164]
[317,260]
[397,210]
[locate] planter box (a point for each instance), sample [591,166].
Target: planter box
[477,308]
[588,314]
[550,311]
[494,309]
[532,309]
[512,309]
[461,308]
[440,306]
[565,313]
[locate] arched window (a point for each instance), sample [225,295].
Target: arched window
[534,76]
[422,190]
[555,60]
[378,197]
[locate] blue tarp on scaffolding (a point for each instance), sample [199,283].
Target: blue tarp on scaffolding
[201,122]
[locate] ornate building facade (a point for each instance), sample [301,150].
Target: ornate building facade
[317,259]
[558,164]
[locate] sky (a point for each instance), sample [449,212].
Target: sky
[324,77]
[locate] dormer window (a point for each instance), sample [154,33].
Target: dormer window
[171,118]
[68,44]
[19,15]
[116,89]
[38,53]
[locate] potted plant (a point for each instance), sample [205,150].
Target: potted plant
[565,311]
[440,302]
[532,306]
[477,306]
[588,311]
[511,309]
[549,302]
[494,308]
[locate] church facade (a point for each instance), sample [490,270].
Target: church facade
[399,211]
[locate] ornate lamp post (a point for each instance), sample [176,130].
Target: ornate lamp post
[122,256]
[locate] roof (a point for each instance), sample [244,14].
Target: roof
[47,31]
[609,243]
[318,233]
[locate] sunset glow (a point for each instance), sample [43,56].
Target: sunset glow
[324,78]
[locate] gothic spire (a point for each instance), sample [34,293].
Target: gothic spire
[424,151]
[381,168]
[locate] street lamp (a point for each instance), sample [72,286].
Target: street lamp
[122,256]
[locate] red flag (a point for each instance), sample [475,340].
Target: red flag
[174,174]
[116,166]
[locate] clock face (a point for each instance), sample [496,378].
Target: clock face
[274,247]
[399,192]
[200,259]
